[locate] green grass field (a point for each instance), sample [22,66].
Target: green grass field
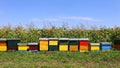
[109,59]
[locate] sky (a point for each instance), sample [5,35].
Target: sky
[71,13]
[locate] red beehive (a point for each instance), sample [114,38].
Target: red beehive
[83,44]
[33,46]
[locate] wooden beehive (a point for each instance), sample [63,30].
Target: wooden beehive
[43,44]
[63,44]
[12,43]
[53,44]
[73,44]
[33,47]
[3,44]
[83,44]
[94,46]
[105,46]
[23,47]
[117,44]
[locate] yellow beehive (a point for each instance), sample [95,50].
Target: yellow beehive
[43,48]
[94,46]
[43,44]
[63,47]
[3,44]
[23,46]
[51,42]
[3,48]
[63,44]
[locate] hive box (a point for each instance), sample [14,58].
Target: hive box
[83,44]
[23,47]
[12,43]
[43,44]
[3,44]
[117,44]
[94,46]
[105,46]
[33,47]
[73,44]
[63,44]
[53,44]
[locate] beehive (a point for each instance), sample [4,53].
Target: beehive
[43,44]
[63,44]
[105,46]
[73,44]
[3,44]
[33,47]
[12,43]
[23,47]
[117,44]
[83,44]
[53,44]
[94,46]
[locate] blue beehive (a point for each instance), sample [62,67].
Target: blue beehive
[105,46]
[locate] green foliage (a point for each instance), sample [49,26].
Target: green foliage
[60,60]
[31,33]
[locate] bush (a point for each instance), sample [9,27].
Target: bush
[32,34]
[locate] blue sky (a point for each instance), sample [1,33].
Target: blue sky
[56,12]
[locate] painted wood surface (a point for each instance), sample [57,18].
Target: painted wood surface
[3,48]
[53,42]
[63,48]
[73,47]
[23,47]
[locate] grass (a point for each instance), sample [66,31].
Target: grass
[60,60]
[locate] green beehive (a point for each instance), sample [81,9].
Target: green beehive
[73,44]
[117,43]
[12,43]
[63,44]
[53,44]
[63,41]
[53,48]
[73,41]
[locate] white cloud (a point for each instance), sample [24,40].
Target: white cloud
[74,18]
[51,19]
[79,18]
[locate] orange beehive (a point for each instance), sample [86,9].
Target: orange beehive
[73,44]
[43,44]
[73,48]
[3,44]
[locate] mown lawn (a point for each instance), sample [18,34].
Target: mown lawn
[109,59]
